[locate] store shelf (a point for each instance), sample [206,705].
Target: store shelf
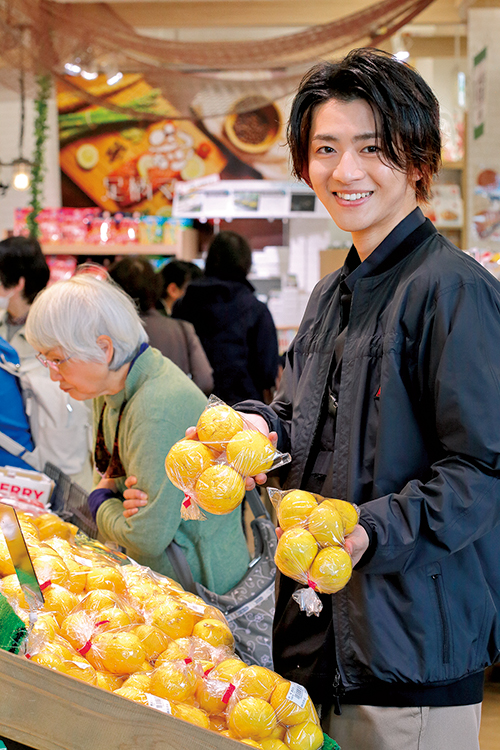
[108,249]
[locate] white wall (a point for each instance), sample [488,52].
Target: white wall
[10,113]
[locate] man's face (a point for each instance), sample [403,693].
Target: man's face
[362,194]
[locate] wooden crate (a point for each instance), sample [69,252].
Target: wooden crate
[47,710]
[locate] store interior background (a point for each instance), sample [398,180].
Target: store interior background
[441,41]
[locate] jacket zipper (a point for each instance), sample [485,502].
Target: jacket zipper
[446,633]
[338,692]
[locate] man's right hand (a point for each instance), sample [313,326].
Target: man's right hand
[260,424]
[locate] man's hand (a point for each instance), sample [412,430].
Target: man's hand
[134,498]
[356,543]
[260,424]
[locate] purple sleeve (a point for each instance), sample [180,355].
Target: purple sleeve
[97,498]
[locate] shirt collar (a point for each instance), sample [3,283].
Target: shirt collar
[390,247]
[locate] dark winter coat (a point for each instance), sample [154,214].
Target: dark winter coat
[237,333]
[417,447]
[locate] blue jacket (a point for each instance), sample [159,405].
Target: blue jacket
[13,420]
[417,447]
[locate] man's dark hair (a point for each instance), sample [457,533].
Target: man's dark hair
[137,277]
[229,257]
[178,272]
[406,111]
[22,257]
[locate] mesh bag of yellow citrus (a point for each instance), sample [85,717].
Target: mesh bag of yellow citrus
[128,630]
[311,548]
[211,469]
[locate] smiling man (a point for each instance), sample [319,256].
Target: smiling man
[389,399]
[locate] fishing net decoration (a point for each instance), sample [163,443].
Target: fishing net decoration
[200,79]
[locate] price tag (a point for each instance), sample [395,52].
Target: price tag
[161,704]
[297,694]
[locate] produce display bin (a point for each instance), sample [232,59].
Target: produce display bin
[47,710]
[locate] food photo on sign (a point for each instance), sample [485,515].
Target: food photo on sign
[121,163]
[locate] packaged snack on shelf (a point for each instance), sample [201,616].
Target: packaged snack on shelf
[151,229]
[211,469]
[25,486]
[311,548]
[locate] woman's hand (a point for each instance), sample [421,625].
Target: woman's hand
[106,484]
[134,498]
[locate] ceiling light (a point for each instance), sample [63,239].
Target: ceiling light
[114,78]
[72,68]
[21,174]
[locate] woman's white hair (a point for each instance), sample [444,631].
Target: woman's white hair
[72,314]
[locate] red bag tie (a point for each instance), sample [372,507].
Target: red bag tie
[187,501]
[45,585]
[311,583]
[84,649]
[228,693]
[103,622]
[188,660]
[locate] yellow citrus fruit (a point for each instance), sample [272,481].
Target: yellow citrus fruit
[250,452]
[99,599]
[77,576]
[225,670]
[112,618]
[192,714]
[119,652]
[50,525]
[348,513]
[257,681]
[87,156]
[214,632]
[174,681]
[305,736]
[251,743]
[77,628]
[209,695]
[218,723]
[6,565]
[108,681]
[294,508]
[51,568]
[273,744]
[46,625]
[220,489]
[295,552]
[194,168]
[288,711]
[325,524]
[154,640]
[217,425]
[60,602]
[81,670]
[331,569]
[106,578]
[253,718]
[141,680]
[144,592]
[173,618]
[186,460]
[133,694]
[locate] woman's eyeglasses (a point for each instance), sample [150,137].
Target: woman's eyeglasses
[54,364]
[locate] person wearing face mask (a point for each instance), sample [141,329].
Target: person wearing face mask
[24,273]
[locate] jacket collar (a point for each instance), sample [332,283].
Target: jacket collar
[399,243]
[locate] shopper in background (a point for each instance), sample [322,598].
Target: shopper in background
[236,329]
[13,419]
[23,274]
[175,339]
[175,276]
[389,400]
[90,332]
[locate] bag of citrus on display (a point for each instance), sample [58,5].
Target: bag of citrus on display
[211,469]
[311,549]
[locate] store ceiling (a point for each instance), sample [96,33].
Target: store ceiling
[440,30]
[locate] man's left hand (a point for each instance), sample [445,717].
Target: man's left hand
[356,543]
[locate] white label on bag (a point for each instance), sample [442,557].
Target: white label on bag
[161,704]
[297,694]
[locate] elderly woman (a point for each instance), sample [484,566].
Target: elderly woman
[89,334]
